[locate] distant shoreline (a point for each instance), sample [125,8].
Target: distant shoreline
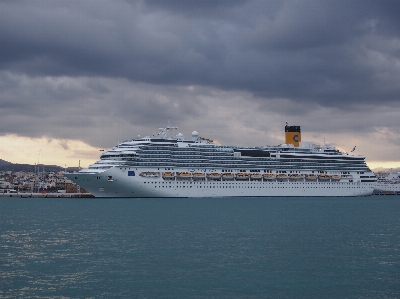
[46,195]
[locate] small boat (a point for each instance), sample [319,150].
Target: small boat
[168,175]
[242,176]
[255,177]
[295,177]
[311,177]
[336,177]
[281,177]
[269,176]
[198,175]
[228,176]
[184,175]
[214,176]
[324,177]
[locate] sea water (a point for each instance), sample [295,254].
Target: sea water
[200,248]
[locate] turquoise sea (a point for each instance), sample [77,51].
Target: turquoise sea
[200,248]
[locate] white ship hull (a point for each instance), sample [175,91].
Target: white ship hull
[387,187]
[116,182]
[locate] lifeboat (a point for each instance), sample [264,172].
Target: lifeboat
[242,176]
[311,177]
[347,176]
[336,177]
[269,176]
[184,175]
[295,177]
[198,175]
[255,177]
[149,174]
[214,176]
[324,177]
[228,176]
[281,177]
[168,175]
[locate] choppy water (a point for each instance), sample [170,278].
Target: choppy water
[200,248]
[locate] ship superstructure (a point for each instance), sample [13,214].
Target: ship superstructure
[161,165]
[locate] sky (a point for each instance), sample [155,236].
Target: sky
[77,77]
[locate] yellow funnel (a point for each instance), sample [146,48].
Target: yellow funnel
[292,135]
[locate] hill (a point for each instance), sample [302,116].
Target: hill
[8,166]
[3,163]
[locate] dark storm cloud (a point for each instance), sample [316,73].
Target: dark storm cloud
[332,52]
[71,68]
[194,8]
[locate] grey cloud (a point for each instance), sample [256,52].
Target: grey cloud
[64,145]
[74,108]
[194,8]
[306,51]
[71,68]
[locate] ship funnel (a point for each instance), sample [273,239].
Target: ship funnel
[292,135]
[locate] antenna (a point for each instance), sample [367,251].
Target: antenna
[38,173]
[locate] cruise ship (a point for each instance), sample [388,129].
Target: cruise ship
[388,184]
[168,165]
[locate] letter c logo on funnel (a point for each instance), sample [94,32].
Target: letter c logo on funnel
[295,138]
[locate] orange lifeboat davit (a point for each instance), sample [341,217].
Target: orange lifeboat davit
[228,176]
[242,176]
